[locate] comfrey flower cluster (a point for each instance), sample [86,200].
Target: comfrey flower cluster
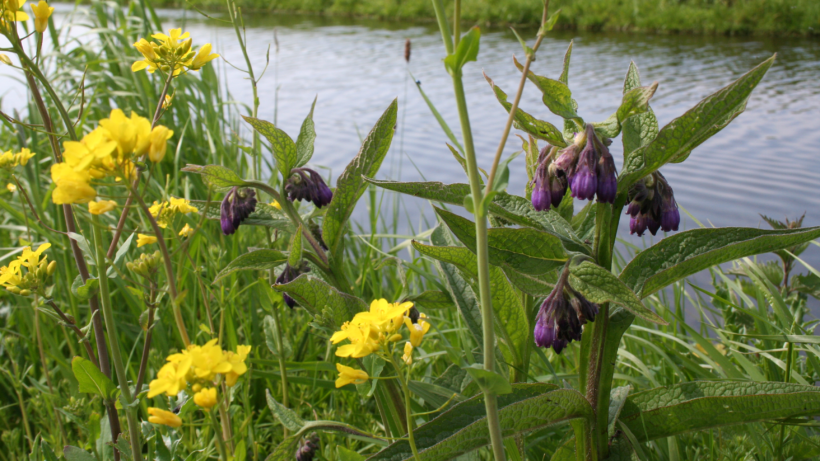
[652,206]
[307,184]
[562,315]
[237,205]
[34,278]
[201,367]
[172,51]
[108,150]
[587,174]
[373,331]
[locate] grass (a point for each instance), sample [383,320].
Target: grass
[40,406]
[732,17]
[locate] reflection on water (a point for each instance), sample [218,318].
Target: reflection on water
[766,161]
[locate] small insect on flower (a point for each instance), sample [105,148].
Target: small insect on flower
[349,375]
[163,417]
[418,328]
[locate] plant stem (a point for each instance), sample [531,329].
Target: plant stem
[146,348]
[73,326]
[789,352]
[283,370]
[407,411]
[111,326]
[220,444]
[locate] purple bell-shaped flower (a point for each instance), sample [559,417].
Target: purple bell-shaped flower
[307,184]
[237,205]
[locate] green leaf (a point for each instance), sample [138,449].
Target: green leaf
[687,253]
[635,102]
[295,248]
[513,208]
[488,381]
[550,23]
[255,260]
[526,122]
[529,251]
[91,379]
[77,454]
[510,317]
[216,176]
[431,299]
[441,122]
[285,415]
[556,95]
[350,185]
[466,51]
[690,130]
[345,454]
[617,399]
[463,428]
[306,138]
[564,78]
[641,129]
[265,215]
[601,286]
[272,337]
[85,290]
[533,285]
[284,149]
[286,451]
[702,405]
[329,306]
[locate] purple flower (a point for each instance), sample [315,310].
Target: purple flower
[558,187]
[540,196]
[583,180]
[559,321]
[670,216]
[637,225]
[237,205]
[653,206]
[607,176]
[308,447]
[289,273]
[307,184]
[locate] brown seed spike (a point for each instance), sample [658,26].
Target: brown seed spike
[407,50]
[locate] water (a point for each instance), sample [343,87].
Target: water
[765,162]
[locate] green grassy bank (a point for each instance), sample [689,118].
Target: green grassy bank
[766,17]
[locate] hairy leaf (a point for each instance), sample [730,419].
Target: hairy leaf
[216,176]
[556,95]
[91,379]
[641,129]
[431,299]
[686,253]
[601,286]
[286,450]
[306,138]
[330,307]
[526,122]
[285,415]
[284,149]
[255,260]
[350,185]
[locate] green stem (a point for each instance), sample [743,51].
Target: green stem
[789,352]
[116,356]
[220,444]
[283,370]
[407,410]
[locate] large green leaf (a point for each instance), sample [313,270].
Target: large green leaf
[601,286]
[526,250]
[635,102]
[691,129]
[329,306]
[306,138]
[284,149]
[91,379]
[463,428]
[286,451]
[466,51]
[513,208]
[509,313]
[285,415]
[350,185]
[641,129]
[526,122]
[686,253]
[255,260]
[702,405]
[556,94]
[216,175]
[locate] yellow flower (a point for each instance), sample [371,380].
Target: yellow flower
[166,104]
[148,51]
[203,57]
[103,206]
[41,14]
[180,205]
[143,240]
[206,398]
[171,378]
[164,417]
[387,317]
[72,186]
[186,231]
[5,59]
[11,275]
[418,329]
[121,129]
[171,40]
[408,353]
[13,12]
[276,205]
[362,339]
[159,143]
[209,360]
[237,361]
[23,156]
[31,259]
[11,187]
[348,375]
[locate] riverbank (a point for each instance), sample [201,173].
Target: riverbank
[732,17]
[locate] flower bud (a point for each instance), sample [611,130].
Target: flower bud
[14,290]
[559,322]
[237,205]
[307,184]
[607,176]
[52,266]
[308,448]
[583,180]
[25,293]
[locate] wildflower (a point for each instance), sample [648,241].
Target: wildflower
[203,57]
[164,417]
[171,53]
[362,336]
[72,186]
[11,275]
[408,353]
[11,187]
[583,181]
[186,231]
[9,160]
[41,14]
[181,205]
[5,59]
[348,375]
[171,378]
[102,206]
[146,266]
[653,206]
[276,205]
[159,143]
[417,328]
[308,447]
[559,321]
[306,184]
[143,240]
[13,11]
[385,316]
[289,273]
[541,199]
[209,360]
[237,205]
[237,362]
[164,212]
[166,104]
[607,175]
[206,398]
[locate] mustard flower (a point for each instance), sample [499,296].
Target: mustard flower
[11,187]
[186,231]
[348,375]
[13,11]
[171,53]
[159,143]
[171,379]
[143,240]
[203,57]
[362,336]
[237,362]
[209,360]
[72,186]
[41,14]
[5,59]
[206,398]
[102,206]
[417,329]
[164,417]
[408,353]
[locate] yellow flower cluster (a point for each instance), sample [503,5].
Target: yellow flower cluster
[108,150]
[12,12]
[9,161]
[202,367]
[171,52]
[165,212]
[13,279]
[371,331]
